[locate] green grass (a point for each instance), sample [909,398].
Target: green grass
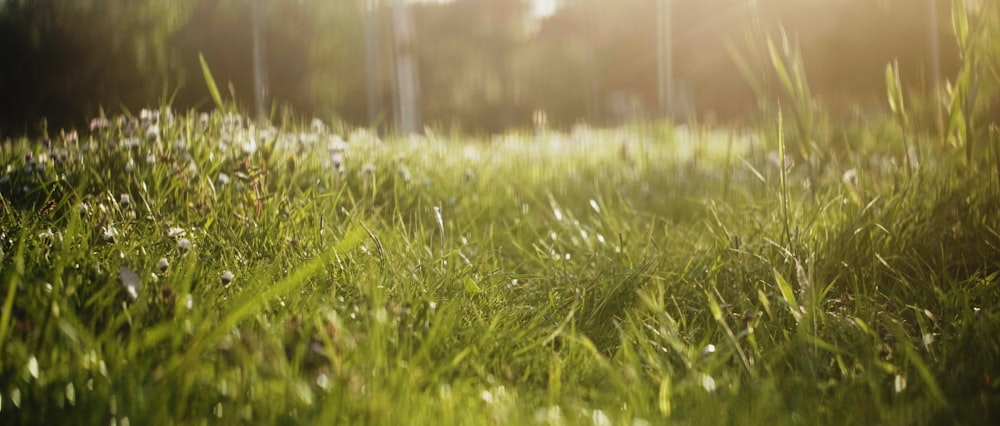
[625,276]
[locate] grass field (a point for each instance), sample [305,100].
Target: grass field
[198,269]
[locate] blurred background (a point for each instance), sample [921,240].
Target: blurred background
[473,66]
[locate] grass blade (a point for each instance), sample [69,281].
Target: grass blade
[213,89]
[788,295]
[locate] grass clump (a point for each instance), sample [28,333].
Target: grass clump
[295,275]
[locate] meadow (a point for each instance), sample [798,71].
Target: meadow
[177,267]
[201,269]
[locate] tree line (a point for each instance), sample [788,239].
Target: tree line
[477,65]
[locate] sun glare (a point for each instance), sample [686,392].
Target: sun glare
[539,8]
[544,8]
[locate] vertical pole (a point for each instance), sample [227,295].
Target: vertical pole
[935,65]
[664,62]
[373,66]
[406,70]
[259,63]
[935,45]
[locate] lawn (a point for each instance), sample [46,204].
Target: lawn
[193,268]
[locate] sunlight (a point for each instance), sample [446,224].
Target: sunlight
[539,8]
[544,8]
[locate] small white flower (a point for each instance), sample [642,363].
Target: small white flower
[109,233]
[250,145]
[174,232]
[223,179]
[899,383]
[153,132]
[184,244]
[850,177]
[337,144]
[708,349]
[708,383]
[368,169]
[33,367]
[125,200]
[130,280]
[163,264]
[599,418]
[227,277]
[318,126]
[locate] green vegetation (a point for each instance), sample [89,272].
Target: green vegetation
[591,277]
[203,268]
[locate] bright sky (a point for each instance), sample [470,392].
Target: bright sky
[544,8]
[540,8]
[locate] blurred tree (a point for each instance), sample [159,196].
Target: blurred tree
[338,83]
[467,49]
[407,87]
[58,56]
[485,65]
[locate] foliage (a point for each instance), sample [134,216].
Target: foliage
[292,275]
[484,66]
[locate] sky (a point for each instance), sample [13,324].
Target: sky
[540,8]
[544,8]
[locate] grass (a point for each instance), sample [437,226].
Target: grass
[595,277]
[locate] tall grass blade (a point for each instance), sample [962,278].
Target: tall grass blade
[782,174]
[213,89]
[253,302]
[788,294]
